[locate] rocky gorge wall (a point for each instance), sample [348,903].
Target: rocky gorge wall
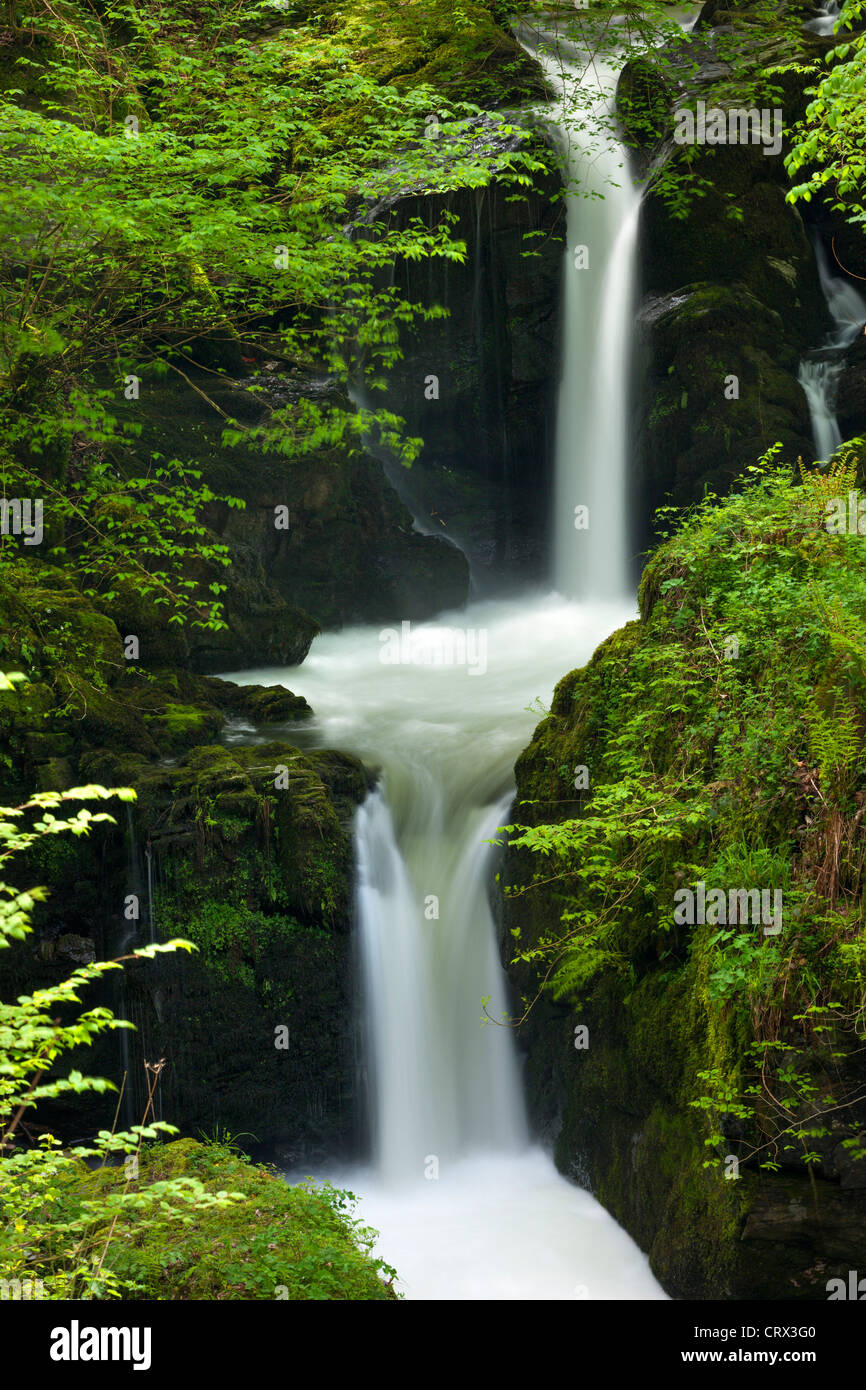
[729,282]
[245,850]
[618,1103]
[480,386]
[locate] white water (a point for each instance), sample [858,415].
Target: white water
[443,1086]
[826,20]
[599,300]
[820,371]
[498,1221]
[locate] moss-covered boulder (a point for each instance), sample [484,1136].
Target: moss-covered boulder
[258,1239]
[246,852]
[251,860]
[466,53]
[715,399]
[86,711]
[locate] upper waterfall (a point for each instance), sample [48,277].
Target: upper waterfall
[591,515]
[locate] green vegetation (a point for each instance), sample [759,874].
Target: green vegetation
[170,1222]
[257,1238]
[830,141]
[725,740]
[203,198]
[192,186]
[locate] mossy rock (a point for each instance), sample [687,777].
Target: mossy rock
[258,875]
[271,1241]
[260,704]
[644,101]
[668,1114]
[464,52]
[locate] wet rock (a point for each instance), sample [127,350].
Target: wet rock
[479,387]
[851,393]
[81,950]
[728,278]
[345,550]
[712,402]
[261,704]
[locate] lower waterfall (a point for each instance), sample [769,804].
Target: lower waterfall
[467,1207]
[820,371]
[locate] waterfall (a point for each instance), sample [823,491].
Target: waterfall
[825,22]
[592,431]
[465,1205]
[820,371]
[443,1085]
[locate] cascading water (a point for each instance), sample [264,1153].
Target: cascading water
[465,1206]
[603,206]
[441,1085]
[825,22]
[820,371]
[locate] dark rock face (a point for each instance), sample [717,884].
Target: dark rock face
[848,248]
[257,1027]
[345,551]
[740,232]
[244,851]
[479,387]
[731,296]
[721,386]
[851,395]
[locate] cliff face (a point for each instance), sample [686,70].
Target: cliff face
[322,539]
[731,299]
[480,386]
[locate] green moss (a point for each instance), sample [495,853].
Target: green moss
[280,1242]
[181,725]
[462,50]
[727,765]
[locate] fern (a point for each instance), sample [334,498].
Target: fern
[839,477]
[835,740]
